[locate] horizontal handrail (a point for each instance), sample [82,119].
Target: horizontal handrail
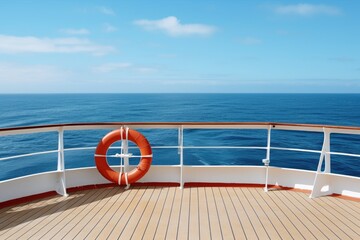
[185,125]
[28,155]
[324,153]
[295,149]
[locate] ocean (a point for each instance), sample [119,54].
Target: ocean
[39,109]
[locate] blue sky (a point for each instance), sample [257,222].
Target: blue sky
[179,46]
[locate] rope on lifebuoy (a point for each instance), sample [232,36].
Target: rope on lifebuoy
[124,136]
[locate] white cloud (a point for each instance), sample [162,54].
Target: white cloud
[16,73]
[145,70]
[72,31]
[30,44]
[307,9]
[250,41]
[344,59]
[106,11]
[109,28]
[116,66]
[172,26]
[109,67]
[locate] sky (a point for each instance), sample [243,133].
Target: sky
[179,46]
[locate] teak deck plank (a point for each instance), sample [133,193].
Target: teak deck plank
[226,230]
[293,214]
[172,225]
[34,226]
[261,214]
[147,214]
[111,216]
[344,206]
[236,226]
[255,222]
[95,221]
[194,223]
[137,216]
[82,220]
[67,222]
[189,213]
[276,221]
[123,221]
[164,217]
[242,215]
[308,218]
[215,229]
[204,223]
[323,230]
[336,226]
[183,228]
[14,217]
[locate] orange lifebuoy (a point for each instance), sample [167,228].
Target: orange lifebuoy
[134,175]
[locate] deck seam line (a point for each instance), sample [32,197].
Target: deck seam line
[329,213]
[315,215]
[171,212]
[39,205]
[142,214]
[198,203]
[70,212]
[119,194]
[237,214]
[142,195]
[277,202]
[262,209]
[292,211]
[116,210]
[271,209]
[344,207]
[306,216]
[85,208]
[208,213]
[122,213]
[323,214]
[256,213]
[36,205]
[111,192]
[339,213]
[61,213]
[76,202]
[152,212]
[252,208]
[247,214]
[189,217]
[160,215]
[52,209]
[227,213]
[217,213]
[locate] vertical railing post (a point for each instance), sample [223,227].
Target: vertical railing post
[61,181]
[266,161]
[321,184]
[125,146]
[181,153]
[327,168]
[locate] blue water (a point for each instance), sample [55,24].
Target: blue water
[332,109]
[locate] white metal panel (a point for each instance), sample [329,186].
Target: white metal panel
[29,185]
[225,174]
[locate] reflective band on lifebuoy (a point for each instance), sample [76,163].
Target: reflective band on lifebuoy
[135,174]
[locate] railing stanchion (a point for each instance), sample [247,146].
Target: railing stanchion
[266,161]
[321,184]
[181,152]
[61,181]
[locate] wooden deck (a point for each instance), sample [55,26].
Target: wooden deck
[191,213]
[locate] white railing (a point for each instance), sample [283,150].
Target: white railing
[319,181]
